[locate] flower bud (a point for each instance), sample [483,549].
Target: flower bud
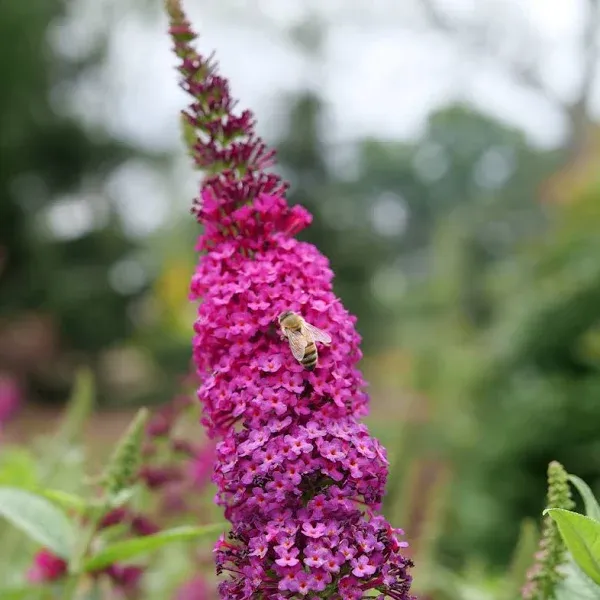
[123,466]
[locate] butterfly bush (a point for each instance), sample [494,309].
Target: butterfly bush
[299,477]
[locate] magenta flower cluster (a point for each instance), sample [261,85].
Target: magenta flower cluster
[299,478]
[46,567]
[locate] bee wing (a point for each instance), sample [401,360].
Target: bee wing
[297,343]
[317,335]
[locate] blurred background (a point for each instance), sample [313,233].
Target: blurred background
[449,152]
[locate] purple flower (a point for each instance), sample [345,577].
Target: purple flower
[46,567]
[287,556]
[125,578]
[299,478]
[270,364]
[315,555]
[157,477]
[362,566]
[114,517]
[142,526]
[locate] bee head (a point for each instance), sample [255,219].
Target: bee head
[284,315]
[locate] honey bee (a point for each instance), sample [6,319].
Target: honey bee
[302,337]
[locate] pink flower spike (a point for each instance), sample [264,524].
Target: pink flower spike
[298,476]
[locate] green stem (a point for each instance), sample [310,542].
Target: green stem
[76,565]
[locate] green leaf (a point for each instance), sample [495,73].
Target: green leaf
[114,532]
[123,497]
[65,500]
[521,559]
[63,445]
[121,471]
[576,585]
[128,549]
[592,509]
[79,407]
[39,519]
[22,593]
[582,537]
[18,468]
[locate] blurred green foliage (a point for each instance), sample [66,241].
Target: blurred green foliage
[53,461]
[520,390]
[49,497]
[50,161]
[45,154]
